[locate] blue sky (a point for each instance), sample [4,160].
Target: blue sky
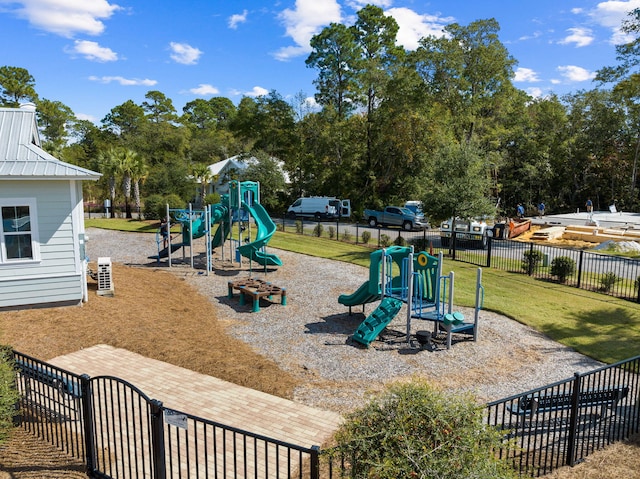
[93,55]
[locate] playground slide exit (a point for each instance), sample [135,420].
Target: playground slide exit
[266,228]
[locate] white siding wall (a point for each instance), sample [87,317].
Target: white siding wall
[57,276]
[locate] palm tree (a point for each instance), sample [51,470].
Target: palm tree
[109,165]
[202,173]
[129,160]
[139,173]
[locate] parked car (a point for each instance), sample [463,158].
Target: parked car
[395,216]
[319,208]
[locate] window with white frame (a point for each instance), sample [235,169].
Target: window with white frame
[17,230]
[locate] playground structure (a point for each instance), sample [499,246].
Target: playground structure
[242,201]
[398,276]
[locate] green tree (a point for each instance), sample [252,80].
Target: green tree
[158,107]
[9,395]
[16,86]
[54,119]
[125,120]
[267,171]
[458,183]
[468,70]
[334,53]
[110,165]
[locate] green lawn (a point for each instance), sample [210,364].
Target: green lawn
[597,325]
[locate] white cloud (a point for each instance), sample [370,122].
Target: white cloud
[204,89]
[257,91]
[535,92]
[305,21]
[65,17]
[525,75]
[574,73]
[582,37]
[413,26]
[123,81]
[93,51]
[358,4]
[236,19]
[84,116]
[610,14]
[184,53]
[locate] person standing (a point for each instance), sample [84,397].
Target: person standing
[520,210]
[589,205]
[541,208]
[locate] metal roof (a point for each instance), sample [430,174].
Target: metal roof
[21,156]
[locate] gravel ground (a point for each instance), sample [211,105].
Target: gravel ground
[310,336]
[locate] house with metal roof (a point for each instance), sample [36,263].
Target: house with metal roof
[42,257]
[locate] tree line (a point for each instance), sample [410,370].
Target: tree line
[442,123]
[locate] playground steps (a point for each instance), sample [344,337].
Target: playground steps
[371,327]
[256,289]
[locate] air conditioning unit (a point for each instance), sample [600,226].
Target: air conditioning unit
[105,277]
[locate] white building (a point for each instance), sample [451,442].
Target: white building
[42,258]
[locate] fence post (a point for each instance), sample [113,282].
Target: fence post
[573,420]
[357,232]
[581,256]
[284,222]
[531,261]
[454,236]
[314,461]
[490,238]
[88,421]
[157,439]
[338,229]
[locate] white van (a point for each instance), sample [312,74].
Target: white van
[319,208]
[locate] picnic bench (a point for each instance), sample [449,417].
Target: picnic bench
[61,394]
[256,289]
[532,405]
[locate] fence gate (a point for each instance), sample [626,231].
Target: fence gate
[125,437]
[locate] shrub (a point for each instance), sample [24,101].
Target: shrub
[8,392]
[299,227]
[155,206]
[413,430]
[636,283]
[400,241]
[366,236]
[346,237]
[385,240]
[531,260]
[563,267]
[332,232]
[608,280]
[212,199]
[317,230]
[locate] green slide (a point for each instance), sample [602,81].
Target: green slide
[361,296]
[220,214]
[266,228]
[371,327]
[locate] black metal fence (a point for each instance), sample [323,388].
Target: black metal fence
[604,273]
[562,423]
[120,432]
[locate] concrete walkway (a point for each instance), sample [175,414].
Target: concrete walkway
[207,397]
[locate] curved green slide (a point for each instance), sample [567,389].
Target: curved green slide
[266,228]
[361,296]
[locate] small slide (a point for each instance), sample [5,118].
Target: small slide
[163,253]
[361,296]
[371,327]
[219,214]
[266,228]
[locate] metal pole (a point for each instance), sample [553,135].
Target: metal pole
[190,236]
[157,439]
[88,421]
[409,294]
[168,236]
